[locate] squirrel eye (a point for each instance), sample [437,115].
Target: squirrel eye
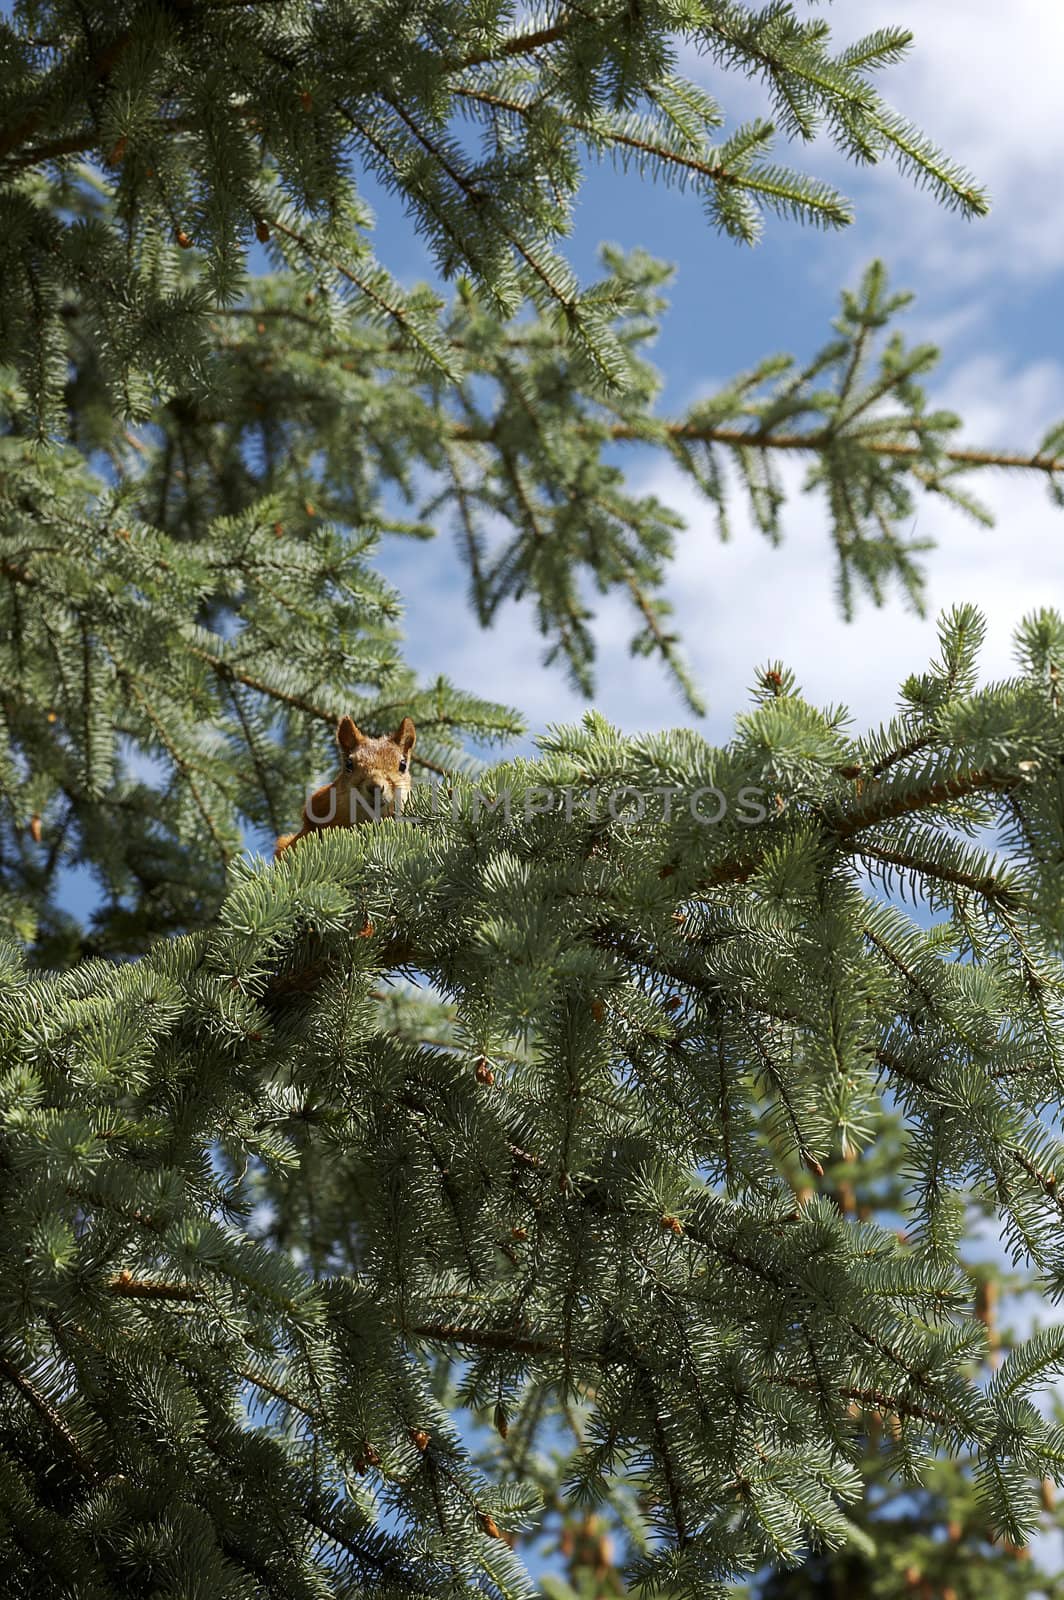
[349,765]
[402,766]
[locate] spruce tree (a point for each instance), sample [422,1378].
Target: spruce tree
[364,1209]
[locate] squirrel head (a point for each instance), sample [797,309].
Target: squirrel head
[373,772]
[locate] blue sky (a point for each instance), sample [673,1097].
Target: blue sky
[983,81]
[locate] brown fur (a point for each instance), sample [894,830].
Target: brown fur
[367,765]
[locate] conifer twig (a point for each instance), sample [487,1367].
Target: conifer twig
[817,441]
[52,1418]
[660,152]
[987,886]
[128,1287]
[521,44]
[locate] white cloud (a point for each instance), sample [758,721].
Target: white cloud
[982,80]
[742,604]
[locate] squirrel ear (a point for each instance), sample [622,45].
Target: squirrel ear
[405,735]
[347,735]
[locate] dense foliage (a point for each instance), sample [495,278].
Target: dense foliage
[362,1210]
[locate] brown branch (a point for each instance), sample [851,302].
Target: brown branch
[368,1555]
[107,1203]
[264,313]
[668,1470]
[900,753]
[1046,1181]
[132,1288]
[522,44]
[73,144]
[871,813]
[226,669]
[493,1339]
[473,195]
[52,1418]
[17,133]
[821,440]
[499,1339]
[899,965]
[278,1394]
[662,153]
[395,312]
[256,758]
[889,809]
[894,1063]
[524,1158]
[182,765]
[874,1399]
[988,886]
[86,140]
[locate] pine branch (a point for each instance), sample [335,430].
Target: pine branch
[183,766]
[873,1399]
[872,810]
[814,442]
[742,177]
[518,45]
[490,1339]
[130,1288]
[231,673]
[848,823]
[53,1420]
[988,887]
[17,133]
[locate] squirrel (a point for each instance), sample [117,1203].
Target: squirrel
[374,775]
